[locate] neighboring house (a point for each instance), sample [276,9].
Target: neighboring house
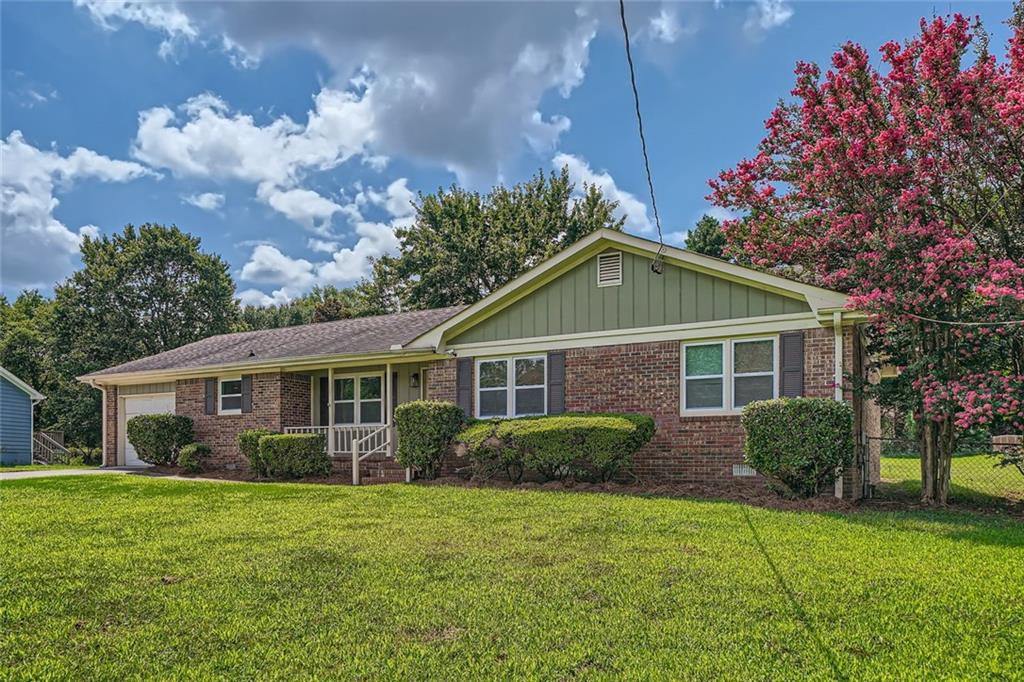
[591,329]
[16,421]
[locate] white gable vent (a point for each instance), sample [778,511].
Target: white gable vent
[609,269]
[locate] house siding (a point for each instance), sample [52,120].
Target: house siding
[644,378]
[573,303]
[15,424]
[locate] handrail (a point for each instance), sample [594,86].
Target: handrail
[45,444]
[357,448]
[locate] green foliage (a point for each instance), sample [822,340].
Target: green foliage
[426,430]
[464,245]
[321,304]
[191,456]
[157,438]
[598,445]
[294,455]
[798,443]
[249,444]
[707,237]
[77,454]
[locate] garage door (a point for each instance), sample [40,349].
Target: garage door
[133,407]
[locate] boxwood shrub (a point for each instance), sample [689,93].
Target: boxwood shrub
[191,456]
[249,444]
[294,455]
[558,446]
[157,438]
[426,432]
[798,443]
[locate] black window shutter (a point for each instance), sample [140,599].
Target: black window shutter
[791,354]
[556,382]
[211,396]
[394,390]
[325,408]
[246,393]
[464,385]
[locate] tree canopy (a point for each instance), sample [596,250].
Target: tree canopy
[707,237]
[905,188]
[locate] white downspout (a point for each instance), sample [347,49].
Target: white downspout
[837,362]
[103,425]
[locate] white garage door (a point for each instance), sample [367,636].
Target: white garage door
[133,407]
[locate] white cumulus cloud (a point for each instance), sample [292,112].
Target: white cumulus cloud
[634,210]
[207,201]
[765,15]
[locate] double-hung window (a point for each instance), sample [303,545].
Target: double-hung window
[359,399]
[511,387]
[723,376]
[230,395]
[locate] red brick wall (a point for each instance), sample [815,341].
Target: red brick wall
[110,433]
[644,378]
[278,400]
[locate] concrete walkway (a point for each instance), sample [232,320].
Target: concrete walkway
[43,473]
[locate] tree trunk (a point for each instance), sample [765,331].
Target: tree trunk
[936,441]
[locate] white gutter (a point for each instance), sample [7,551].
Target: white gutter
[837,362]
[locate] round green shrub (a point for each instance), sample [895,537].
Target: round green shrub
[426,431]
[798,443]
[191,456]
[488,453]
[249,444]
[294,455]
[157,438]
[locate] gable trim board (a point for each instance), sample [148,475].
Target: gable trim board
[817,299]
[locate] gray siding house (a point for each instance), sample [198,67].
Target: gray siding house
[16,424]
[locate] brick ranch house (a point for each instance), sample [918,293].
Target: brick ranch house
[592,329]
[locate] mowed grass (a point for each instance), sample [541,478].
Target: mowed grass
[5,468]
[973,478]
[114,577]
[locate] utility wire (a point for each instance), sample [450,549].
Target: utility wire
[964,324]
[656,264]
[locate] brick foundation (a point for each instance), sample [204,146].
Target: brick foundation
[644,378]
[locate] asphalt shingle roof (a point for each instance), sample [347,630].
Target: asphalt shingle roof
[343,337]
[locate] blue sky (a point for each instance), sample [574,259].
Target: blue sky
[291,137]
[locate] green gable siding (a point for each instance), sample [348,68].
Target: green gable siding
[573,303]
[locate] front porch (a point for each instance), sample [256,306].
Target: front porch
[354,407]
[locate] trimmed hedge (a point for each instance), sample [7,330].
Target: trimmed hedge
[426,431]
[157,438]
[798,443]
[294,455]
[556,447]
[191,456]
[249,444]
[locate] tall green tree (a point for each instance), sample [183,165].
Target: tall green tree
[463,245]
[140,292]
[707,237]
[321,304]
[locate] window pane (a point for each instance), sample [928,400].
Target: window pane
[344,389]
[747,389]
[369,412]
[703,393]
[529,401]
[232,403]
[753,356]
[703,360]
[369,388]
[493,403]
[494,374]
[231,387]
[530,372]
[344,413]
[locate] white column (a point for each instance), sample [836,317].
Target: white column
[330,411]
[389,408]
[837,361]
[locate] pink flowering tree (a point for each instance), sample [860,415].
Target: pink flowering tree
[902,184]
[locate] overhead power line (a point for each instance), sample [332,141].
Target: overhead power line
[656,264]
[997,323]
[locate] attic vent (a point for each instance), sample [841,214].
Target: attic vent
[609,269]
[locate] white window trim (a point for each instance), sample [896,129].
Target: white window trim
[221,394]
[510,386]
[728,376]
[356,399]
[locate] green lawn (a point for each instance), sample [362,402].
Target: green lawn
[114,577]
[4,468]
[973,478]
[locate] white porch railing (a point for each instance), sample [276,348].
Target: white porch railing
[46,449]
[357,442]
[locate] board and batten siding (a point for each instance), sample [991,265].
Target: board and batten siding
[573,303]
[15,424]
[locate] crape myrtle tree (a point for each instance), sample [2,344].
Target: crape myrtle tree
[903,185]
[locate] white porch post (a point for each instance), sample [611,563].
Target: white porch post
[330,412]
[390,409]
[837,362]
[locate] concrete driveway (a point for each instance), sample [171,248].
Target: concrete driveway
[43,473]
